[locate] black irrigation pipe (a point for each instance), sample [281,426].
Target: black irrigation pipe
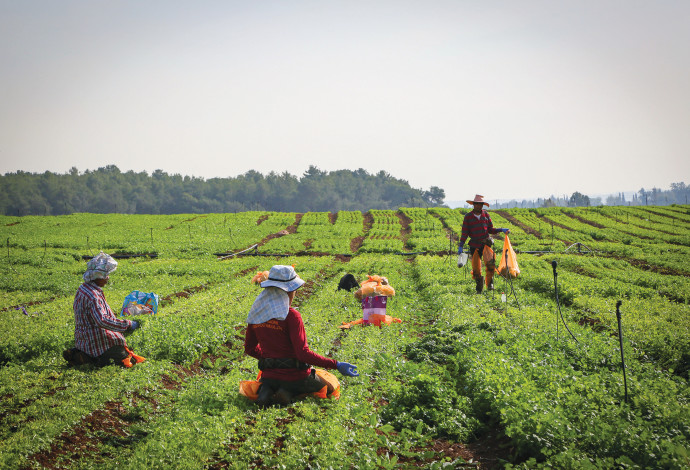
[620,338]
[558,303]
[126,255]
[275,255]
[222,256]
[230,255]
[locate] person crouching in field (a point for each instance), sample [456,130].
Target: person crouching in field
[98,334]
[276,337]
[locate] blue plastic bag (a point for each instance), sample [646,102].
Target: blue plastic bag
[141,302]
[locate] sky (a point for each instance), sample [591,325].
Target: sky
[507,99]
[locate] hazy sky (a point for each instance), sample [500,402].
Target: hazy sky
[509,99]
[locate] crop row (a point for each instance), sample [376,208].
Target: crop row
[560,402]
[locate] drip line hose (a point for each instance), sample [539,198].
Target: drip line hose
[558,303]
[509,280]
[620,338]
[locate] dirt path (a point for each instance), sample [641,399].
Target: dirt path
[516,222]
[406,230]
[368,222]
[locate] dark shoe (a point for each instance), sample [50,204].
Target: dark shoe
[480,284]
[282,397]
[265,397]
[75,357]
[67,355]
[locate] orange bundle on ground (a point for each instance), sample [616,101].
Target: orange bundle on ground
[375,285]
[373,294]
[260,277]
[374,319]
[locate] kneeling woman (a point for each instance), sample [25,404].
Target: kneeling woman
[276,337]
[98,334]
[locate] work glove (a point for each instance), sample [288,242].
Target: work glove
[505,230]
[134,325]
[460,250]
[347,369]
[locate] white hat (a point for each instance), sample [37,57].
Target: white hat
[283,277]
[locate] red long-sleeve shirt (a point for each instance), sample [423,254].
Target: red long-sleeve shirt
[477,228]
[280,339]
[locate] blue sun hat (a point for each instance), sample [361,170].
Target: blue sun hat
[283,277]
[273,302]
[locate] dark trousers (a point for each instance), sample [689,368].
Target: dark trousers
[115,354]
[282,392]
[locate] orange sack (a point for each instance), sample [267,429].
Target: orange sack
[509,265]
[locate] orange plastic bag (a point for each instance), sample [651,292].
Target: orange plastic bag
[489,257]
[509,265]
[250,388]
[375,285]
[374,319]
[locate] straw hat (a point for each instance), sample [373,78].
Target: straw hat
[478,199]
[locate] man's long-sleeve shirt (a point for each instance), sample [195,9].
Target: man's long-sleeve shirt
[96,327]
[477,228]
[279,339]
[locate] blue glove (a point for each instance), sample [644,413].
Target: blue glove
[460,250]
[134,325]
[505,230]
[347,369]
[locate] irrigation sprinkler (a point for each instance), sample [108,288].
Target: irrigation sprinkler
[620,339]
[580,247]
[253,247]
[558,304]
[509,282]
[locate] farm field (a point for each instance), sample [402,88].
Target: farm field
[465,381]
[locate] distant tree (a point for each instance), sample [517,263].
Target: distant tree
[578,199]
[107,189]
[549,202]
[435,195]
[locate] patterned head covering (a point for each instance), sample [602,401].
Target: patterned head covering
[99,267]
[273,302]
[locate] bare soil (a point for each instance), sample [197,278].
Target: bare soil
[514,221]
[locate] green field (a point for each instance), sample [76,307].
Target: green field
[465,381]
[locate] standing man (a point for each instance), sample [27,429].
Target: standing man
[478,226]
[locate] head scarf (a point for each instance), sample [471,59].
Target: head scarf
[99,267]
[273,302]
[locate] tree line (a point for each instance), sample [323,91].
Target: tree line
[109,190]
[678,193]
